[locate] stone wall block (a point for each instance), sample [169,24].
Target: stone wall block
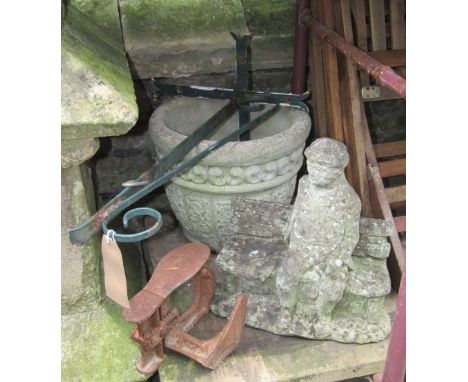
[166,38]
[80,264]
[98,98]
[77,151]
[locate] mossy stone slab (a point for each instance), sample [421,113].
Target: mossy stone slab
[166,38]
[270,17]
[97,90]
[104,13]
[168,26]
[96,346]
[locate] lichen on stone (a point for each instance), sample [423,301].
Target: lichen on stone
[327,281]
[97,90]
[270,17]
[96,346]
[179,24]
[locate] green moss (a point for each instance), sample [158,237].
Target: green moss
[96,344]
[97,90]
[97,347]
[171,369]
[91,104]
[104,13]
[169,20]
[88,43]
[167,38]
[270,17]
[181,369]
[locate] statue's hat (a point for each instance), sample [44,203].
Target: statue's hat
[328,151]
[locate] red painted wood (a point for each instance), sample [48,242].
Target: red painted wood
[395,365]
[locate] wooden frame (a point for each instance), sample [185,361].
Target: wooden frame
[344,114]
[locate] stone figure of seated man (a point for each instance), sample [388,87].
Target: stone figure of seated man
[294,266]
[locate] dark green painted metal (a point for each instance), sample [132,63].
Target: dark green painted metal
[241,89]
[153,178]
[249,96]
[167,168]
[242,72]
[135,237]
[240,100]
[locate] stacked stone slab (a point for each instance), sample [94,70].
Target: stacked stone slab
[249,261]
[360,316]
[167,38]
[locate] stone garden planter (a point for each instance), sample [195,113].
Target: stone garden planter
[263,168]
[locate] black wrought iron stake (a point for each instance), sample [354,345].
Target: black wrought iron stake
[242,72]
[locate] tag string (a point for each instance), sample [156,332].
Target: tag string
[110,235]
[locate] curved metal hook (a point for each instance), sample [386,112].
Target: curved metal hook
[139,236]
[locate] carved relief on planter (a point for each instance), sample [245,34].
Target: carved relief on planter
[205,217]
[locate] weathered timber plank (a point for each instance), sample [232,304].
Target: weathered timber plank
[317,81]
[349,170]
[392,167]
[390,149]
[358,12]
[352,118]
[397,28]
[381,208]
[397,24]
[390,57]
[377,25]
[332,84]
[396,196]
[398,205]
[263,356]
[400,223]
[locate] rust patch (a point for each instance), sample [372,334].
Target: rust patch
[158,324]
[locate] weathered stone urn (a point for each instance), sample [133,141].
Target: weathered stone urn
[263,168]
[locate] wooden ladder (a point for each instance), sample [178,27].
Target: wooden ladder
[339,90]
[380,30]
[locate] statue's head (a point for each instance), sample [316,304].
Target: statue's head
[326,160]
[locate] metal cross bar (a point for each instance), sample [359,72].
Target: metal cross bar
[242,71]
[240,99]
[286,99]
[241,89]
[165,170]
